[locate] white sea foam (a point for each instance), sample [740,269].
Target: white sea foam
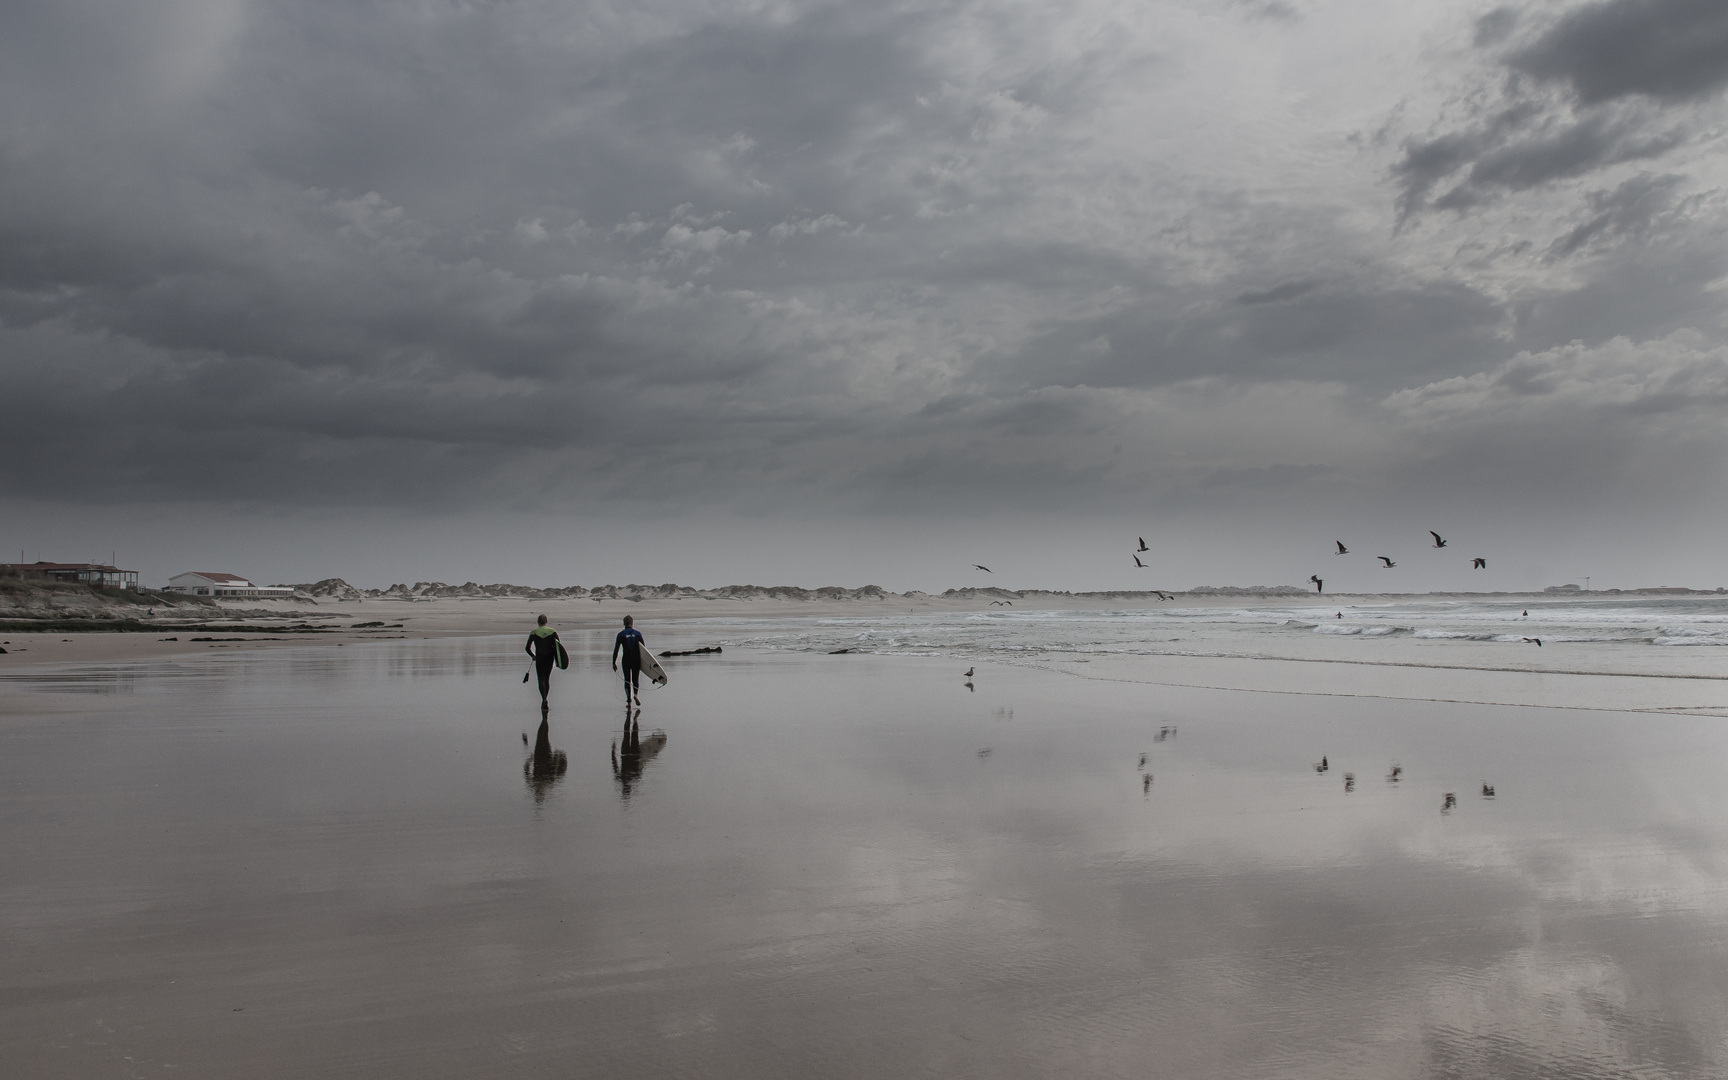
[1434,632]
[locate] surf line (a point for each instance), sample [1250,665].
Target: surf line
[1405,664]
[1669,710]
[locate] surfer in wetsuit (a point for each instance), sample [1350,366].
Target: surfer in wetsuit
[629,642]
[543,646]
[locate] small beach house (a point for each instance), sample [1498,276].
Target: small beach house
[98,575]
[212,583]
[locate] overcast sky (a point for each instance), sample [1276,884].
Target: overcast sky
[740,290]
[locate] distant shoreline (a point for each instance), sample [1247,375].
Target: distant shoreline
[336,588]
[69,606]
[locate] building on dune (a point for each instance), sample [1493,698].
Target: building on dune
[96,575]
[214,584]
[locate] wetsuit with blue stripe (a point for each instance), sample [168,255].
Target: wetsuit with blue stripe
[629,642]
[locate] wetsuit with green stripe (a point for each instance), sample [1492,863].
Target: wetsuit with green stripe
[543,647]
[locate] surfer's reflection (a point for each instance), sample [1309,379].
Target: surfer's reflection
[545,766]
[632,753]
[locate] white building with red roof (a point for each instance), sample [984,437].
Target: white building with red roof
[214,584]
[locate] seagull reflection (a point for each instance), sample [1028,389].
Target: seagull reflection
[545,766]
[632,753]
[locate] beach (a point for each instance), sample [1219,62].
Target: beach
[823,850]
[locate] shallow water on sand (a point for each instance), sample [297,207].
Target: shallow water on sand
[347,863]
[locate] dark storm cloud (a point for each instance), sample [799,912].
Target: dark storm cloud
[1671,50]
[1603,85]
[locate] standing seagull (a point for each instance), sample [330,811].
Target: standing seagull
[1342,550]
[981,566]
[1319,586]
[1389,563]
[1437,541]
[1143,546]
[1478,564]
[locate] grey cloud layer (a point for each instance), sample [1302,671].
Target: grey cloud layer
[937,256]
[1603,84]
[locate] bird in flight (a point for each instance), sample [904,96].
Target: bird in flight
[1138,563]
[1143,546]
[1162,596]
[981,566]
[1389,563]
[1319,586]
[1438,542]
[1478,564]
[1342,550]
[1537,640]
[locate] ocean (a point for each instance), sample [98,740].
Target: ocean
[1589,631]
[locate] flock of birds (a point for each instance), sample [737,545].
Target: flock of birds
[1387,562]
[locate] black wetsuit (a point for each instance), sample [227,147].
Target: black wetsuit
[543,647]
[629,641]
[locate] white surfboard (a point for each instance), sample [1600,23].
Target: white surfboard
[651,669]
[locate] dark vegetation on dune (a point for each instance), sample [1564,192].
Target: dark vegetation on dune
[66,607]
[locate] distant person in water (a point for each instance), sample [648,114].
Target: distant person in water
[629,642]
[543,645]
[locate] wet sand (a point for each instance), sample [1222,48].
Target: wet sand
[301,860]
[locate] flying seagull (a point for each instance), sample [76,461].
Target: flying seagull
[1438,542]
[1138,563]
[1537,640]
[1478,564]
[1319,586]
[1143,546]
[1342,550]
[1162,595]
[1389,563]
[981,566]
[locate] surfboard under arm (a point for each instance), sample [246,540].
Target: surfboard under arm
[651,668]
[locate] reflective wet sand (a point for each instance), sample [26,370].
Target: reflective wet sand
[373,861]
